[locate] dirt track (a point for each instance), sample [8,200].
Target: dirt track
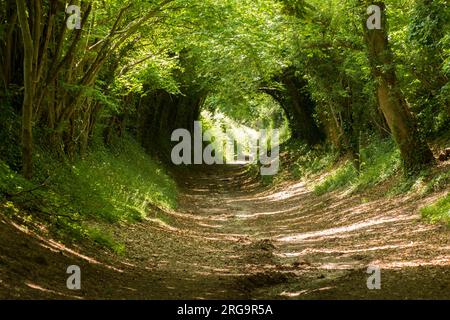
[231,238]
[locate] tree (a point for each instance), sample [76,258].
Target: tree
[299,106]
[414,150]
[27,108]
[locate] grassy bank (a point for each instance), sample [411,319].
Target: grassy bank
[439,211]
[380,169]
[117,184]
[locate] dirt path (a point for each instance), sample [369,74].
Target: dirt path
[233,239]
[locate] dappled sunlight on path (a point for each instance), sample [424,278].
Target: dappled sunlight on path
[306,234]
[233,238]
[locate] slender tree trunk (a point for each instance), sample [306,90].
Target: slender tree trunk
[12,18]
[27,108]
[414,150]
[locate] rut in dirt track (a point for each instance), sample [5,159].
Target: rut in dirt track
[232,238]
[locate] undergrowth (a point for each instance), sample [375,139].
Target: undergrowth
[439,211]
[110,185]
[380,162]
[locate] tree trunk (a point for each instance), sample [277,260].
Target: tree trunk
[302,105]
[298,106]
[415,152]
[27,108]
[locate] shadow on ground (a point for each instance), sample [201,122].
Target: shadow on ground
[232,239]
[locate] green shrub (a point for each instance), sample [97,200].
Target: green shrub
[342,177]
[309,161]
[380,160]
[439,211]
